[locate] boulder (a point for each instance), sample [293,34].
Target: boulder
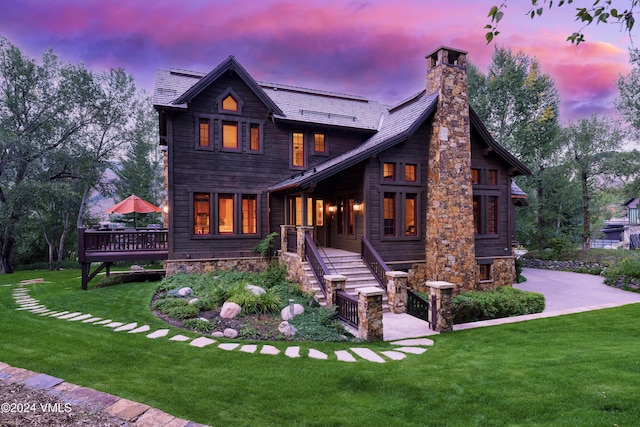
[217,334]
[230,333]
[230,310]
[256,290]
[286,329]
[286,312]
[184,292]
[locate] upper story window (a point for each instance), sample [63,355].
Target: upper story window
[254,137]
[410,172]
[204,133]
[297,150]
[319,145]
[389,171]
[230,135]
[229,103]
[488,177]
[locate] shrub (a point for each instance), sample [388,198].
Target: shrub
[199,325]
[505,301]
[320,324]
[627,270]
[176,308]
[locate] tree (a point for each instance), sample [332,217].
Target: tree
[598,12]
[590,145]
[519,105]
[628,103]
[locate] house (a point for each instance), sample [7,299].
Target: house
[423,181]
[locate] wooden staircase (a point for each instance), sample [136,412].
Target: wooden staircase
[349,264]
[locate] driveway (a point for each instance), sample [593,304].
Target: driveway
[568,291]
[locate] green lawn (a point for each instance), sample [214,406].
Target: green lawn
[578,370]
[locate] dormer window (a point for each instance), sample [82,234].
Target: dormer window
[230,104]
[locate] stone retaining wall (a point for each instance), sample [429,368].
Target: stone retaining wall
[578,266]
[199,266]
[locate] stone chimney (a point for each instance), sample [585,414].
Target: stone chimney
[450,235]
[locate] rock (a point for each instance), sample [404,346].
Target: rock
[217,334]
[230,333]
[184,292]
[256,290]
[193,301]
[286,329]
[286,312]
[230,310]
[202,318]
[136,268]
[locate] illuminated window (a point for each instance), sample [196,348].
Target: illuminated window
[410,173]
[249,214]
[410,215]
[225,213]
[389,214]
[201,213]
[254,137]
[319,213]
[230,135]
[309,211]
[298,149]
[475,176]
[295,211]
[204,135]
[229,103]
[318,143]
[389,171]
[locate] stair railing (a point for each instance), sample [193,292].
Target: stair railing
[374,262]
[314,259]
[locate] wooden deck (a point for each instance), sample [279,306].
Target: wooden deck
[109,246]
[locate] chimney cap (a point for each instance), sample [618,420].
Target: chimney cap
[450,49]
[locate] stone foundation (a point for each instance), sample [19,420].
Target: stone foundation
[200,266]
[295,272]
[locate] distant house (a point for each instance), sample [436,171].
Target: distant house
[423,181]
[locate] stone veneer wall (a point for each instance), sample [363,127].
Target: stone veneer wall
[200,266]
[295,272]
[450,240]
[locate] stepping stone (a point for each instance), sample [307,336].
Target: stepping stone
[368,354]
[62,313]
[40,310]
[412,350]
[414,341]
[50,314]
[269,349]
[113,324]
[159,333]
[249,348]
[91,320]
[228,346]
[103,322]
[179,338]
[31,307]
[315,354]
[394,355]
[345,356]
[127,327]
[46,313]
[143,328]
[70,315]
[292,352]
[83,317]
[202,342]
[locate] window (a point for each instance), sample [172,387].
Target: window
[254,137]
[309,211]
[295,211]
[298,149]
[229,103]
[476,214]
[475,176]
[389,171]
[230,135]
[484,272]
[204,138]
[492,215]
[350,215]
[319,213]
[492,177]
[201,213]
[633,215]
[389,214]
[410,215]
[318,143]
[485,214]
[225,213]
[410,173]
[484,177]
[249,214]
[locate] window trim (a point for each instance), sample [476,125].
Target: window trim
[230,92]
[214,233]
[325,151]
[260,149]
[238,127]
[401,194]
[292,165]
[211,145]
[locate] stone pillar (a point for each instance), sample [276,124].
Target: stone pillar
[302,231]
[397,291]
[370,313]
[450,237]
[334,283]
[283,236]
[443,292]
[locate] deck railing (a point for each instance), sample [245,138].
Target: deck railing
[314,259]
[374,262]
[347,308]
[123,240]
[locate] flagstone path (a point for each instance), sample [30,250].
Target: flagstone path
[403,348]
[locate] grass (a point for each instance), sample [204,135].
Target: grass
[577,370]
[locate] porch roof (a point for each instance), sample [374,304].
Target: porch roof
[396,126]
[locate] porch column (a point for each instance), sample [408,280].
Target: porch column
[370,313]
[444,305]
[334,283]
[397,291]
[302,230]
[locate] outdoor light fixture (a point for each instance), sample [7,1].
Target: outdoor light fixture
[357,207]
[332,210]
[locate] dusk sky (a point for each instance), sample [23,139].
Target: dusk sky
[370,48]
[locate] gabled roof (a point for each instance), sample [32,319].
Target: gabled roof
[230,64]
[396,126]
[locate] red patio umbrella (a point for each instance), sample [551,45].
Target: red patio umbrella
[133,204]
